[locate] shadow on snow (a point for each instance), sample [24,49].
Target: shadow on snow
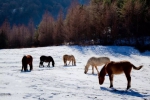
[129,92]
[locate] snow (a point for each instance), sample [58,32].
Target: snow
[69,82]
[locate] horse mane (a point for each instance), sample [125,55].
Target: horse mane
[87,65]
[103,71]
[102,74]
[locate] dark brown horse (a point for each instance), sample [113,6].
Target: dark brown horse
[25,61]
[46,59]
[117,68]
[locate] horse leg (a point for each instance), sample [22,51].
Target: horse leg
[25,68]
[111,80]
[43,64]
[40,63]
[69,62]
[22,68]
[92,69]
[74,63]
[31,66]
[48,64]
[129,80]
[65,63]
[97,70]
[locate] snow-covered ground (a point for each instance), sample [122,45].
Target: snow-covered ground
[69,82]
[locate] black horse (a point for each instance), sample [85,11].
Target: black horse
[25,61]
[46,59]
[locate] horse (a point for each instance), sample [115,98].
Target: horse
[46,59]
[117,68]
[94,62]
[27,59]
[69,58]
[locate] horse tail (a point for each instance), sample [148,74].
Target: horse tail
[74,60]
[31,66]
[137,68]
[53,62]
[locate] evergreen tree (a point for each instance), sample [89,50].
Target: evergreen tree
[3,40]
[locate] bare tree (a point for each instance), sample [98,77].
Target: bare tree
[59,33]
[45,30]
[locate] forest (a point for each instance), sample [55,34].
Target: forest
[21,11]
[99,22]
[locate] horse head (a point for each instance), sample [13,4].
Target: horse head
[41,63]
[85,69]
[53,63]
[101,75]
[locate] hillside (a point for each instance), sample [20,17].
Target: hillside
[101,22]
[21,11]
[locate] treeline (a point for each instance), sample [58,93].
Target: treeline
[105,22]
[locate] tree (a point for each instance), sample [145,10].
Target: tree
[75,22]
[3,40]
[59,34]
[45,30]
[15,37]
[31,29]
[5,31]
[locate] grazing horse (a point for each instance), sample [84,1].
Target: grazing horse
[94,62]
[69,58]
[25,61]
[117,68]
[46,59]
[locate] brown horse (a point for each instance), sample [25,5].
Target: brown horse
[94,62]
[25,61]
[117,68]
[69,58]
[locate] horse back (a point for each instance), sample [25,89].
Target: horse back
[43,58]
[67,57]
[119,67]
[27,59]
[104,59]
[46,58]
[98,61]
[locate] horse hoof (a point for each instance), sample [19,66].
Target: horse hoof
[128,87]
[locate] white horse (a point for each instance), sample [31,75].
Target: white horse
[94,62]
